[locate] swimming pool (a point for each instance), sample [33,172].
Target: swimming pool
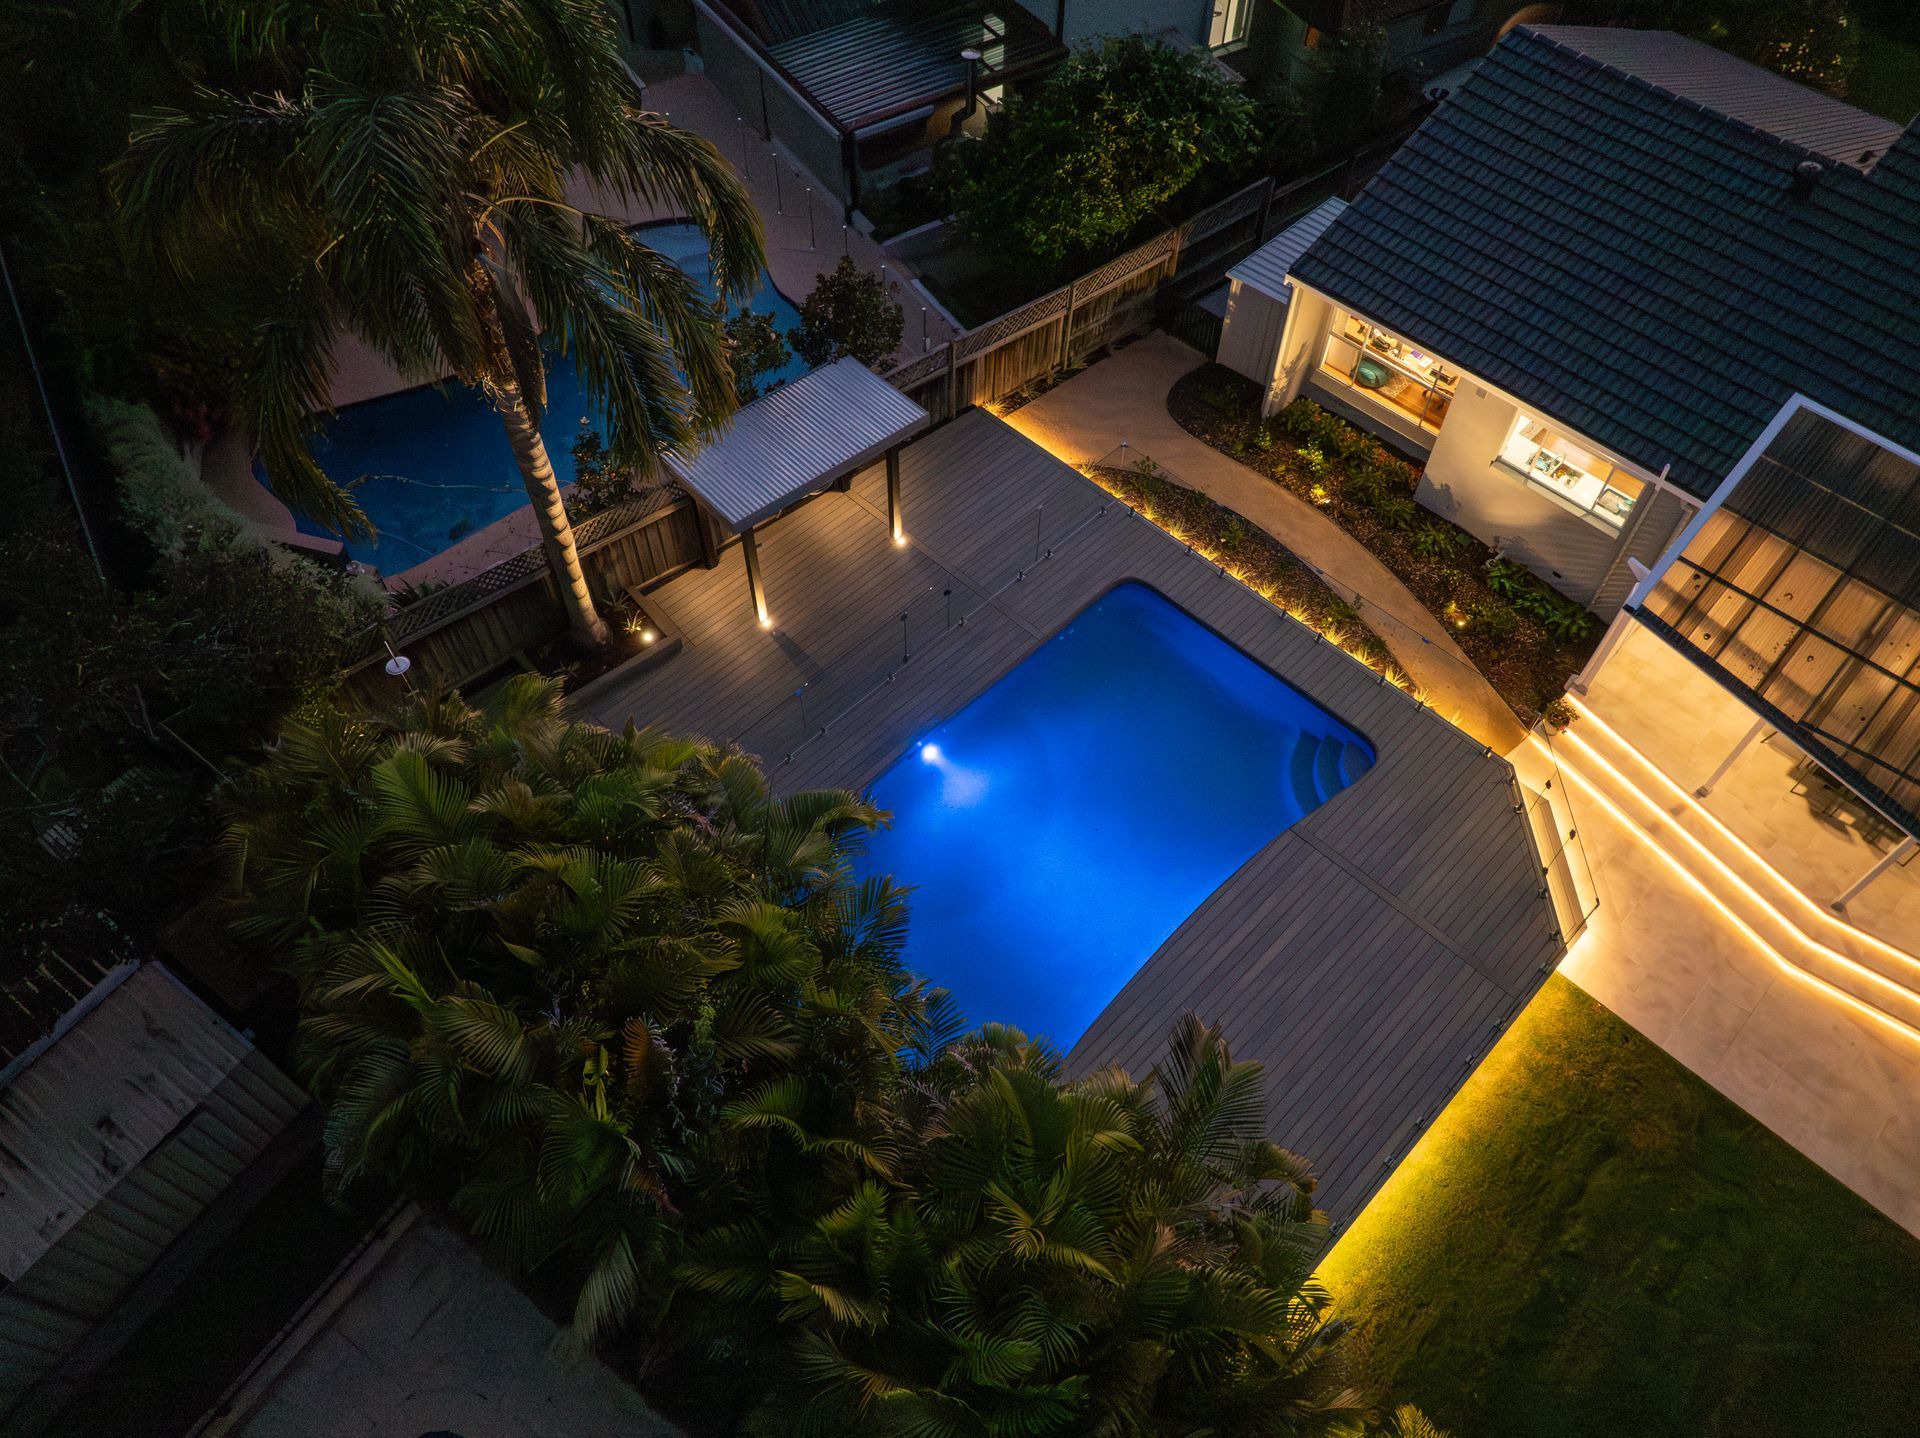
[432,466]
[1060,827]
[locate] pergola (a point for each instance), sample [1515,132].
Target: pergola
[795,441]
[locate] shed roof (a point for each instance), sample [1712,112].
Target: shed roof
[1634,265]
[1730,86]
[888,62]
[90,1108]
[798,439]
[1265,270]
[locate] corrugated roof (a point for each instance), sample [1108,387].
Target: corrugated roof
[1635,266]
[798,439]
[1730,86]
[885,63]
[95,1103]
[1265,270]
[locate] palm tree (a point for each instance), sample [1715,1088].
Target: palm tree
[1038,1257]
[537,960]
[400,171]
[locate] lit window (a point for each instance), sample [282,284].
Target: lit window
[1389,369]
[1229,25]
[1551,460]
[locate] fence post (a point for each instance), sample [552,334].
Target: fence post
[1173,255]
[953,385]
[1066,326]
[1266,212]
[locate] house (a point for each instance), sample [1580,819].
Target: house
[133,1136]
[1588,283]
[1646,312]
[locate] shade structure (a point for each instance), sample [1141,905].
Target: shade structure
[797,440]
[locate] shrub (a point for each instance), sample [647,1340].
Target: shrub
[160,495]
[1314,460]
[1111,136]
[598,483]
[1397,511]
[849,312]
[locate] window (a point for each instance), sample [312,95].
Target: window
[1229,25]
[1585,482]
[1387,369]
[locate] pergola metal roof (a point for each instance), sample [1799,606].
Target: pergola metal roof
[887,62]
[1265,270]
[796,440]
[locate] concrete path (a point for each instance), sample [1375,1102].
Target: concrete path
[1124,398]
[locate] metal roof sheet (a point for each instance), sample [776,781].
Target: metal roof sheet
[1635,266]
[797,439]
[1730,86]
[90,1107]
[1265,270]
[884,63]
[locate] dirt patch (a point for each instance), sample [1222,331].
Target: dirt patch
[1524,637]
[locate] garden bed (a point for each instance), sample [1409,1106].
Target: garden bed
[1250,555]
[1527,639]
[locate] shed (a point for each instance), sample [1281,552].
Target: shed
[796,441]
[1258,292]
[116,1139]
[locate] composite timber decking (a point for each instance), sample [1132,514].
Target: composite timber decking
[1368,956]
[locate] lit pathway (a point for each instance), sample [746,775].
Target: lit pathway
[1840,1087]
[1124,397]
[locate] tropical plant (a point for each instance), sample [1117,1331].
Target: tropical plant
[849,312]
[538,961]
[403,172]
[1111,136]
[1108,1256]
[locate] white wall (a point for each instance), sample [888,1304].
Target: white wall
[1250,337]
[1463,484]
[1308,315]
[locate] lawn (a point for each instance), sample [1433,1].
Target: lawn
[1591,1241]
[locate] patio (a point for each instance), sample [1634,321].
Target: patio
[1369,956]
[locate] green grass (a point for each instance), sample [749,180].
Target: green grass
[1886,78]
[1591,1241]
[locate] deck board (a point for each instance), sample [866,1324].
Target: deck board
[1368,956]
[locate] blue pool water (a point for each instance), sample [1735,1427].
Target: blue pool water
[431,466]
[1063,824]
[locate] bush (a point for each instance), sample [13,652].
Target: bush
[159,493]
[1111,136]
[850,312]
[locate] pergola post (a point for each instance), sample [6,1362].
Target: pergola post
[1759,730]
[894,522]
[756,586]
[1895,855]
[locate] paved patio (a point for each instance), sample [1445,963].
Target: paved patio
[1368,956]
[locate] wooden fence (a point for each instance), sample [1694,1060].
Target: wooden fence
[458,634]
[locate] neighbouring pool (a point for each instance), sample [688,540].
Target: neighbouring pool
[432,466]
[1060,827]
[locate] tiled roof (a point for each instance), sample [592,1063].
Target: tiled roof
[1635,265]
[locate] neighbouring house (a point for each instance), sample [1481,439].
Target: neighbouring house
[860,91]
[1647,313]
[1274,43]
[134,1134]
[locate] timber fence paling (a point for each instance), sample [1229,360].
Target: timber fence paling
[456,634]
